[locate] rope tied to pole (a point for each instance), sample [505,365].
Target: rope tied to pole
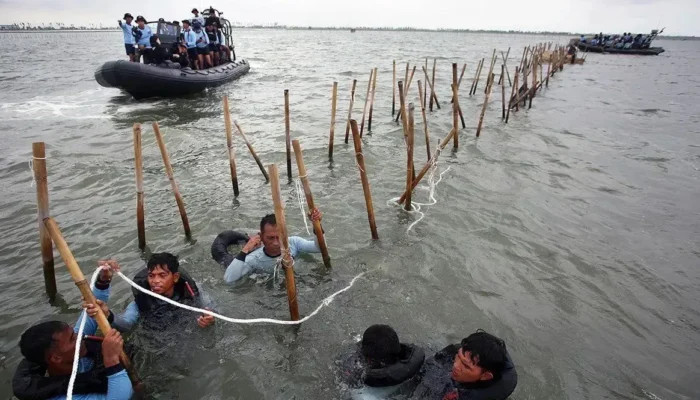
[31,168]
[356,163]
[300,201]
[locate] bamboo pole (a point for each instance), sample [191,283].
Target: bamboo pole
[455,106]
[409,159]
[393,91]
[318,230]
[42,202]
[459,82]
[169,172]
[421,95]
[522,59]
[363,177]
[229,146]
[426,167]
[138,159]
[252,151]
[471,88]
[490,76]
[513,91]
[433,96]
[503,93]
[405,79]
[287,262]
[364,109]
[405,90]
[287,134]
[425,93]
[541,70]
[533,89]
[333,107]
[483,108]
[352,103]
[478,75]
[432,89]
[505,62]
[371,103]
[85,291]
[549,70]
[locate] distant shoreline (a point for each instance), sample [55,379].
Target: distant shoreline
[310,28]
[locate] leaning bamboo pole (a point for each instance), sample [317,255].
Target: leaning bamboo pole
[478,75]
[371,103]
[169,172]
[433,96]
[252,151]
[393,91]
[42,202]
[366,107]
[459,82]
[432,89]
[405,90]
[402,109]
[409,159]
[476,72]
[287,134]
[287,262]
[483,108]
[423,98]
[85,290]
[318,230]
[334,102]
[513,91]
[363,177]
[138,160]
[503,93]
[455,106]
[427,166]
[352,103]
[490,75]
[229,146]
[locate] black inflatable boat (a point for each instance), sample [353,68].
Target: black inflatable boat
[165,80]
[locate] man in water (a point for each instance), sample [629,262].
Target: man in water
[256,259]
[49,347]
[479,368]
[128,36]
[380,364]
[144,39]
[197,17]
[163,276]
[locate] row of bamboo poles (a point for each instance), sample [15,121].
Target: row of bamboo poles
[532,60]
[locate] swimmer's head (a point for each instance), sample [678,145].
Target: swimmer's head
[482,357]
[380,345]
[269,235]
[163,273]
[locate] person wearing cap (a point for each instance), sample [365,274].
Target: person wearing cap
[190,40]
[214,49]
[128,36]
[144,39]
[212,18]
[197,17]
[202,41]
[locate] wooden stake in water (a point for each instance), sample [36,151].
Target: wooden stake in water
[433,96]
[364,109]
[455,106]
[459,83]
[409,159]
[252,151]
[486,103]
[425,93]
[352,103]
[287,134]
[421,95]
[42,202]
[138,159]
[478,74]
[505,62]
[393,91]
[371,103]
[549,71]
[426,167]
[229,146]
[318,230]
[333,105]
[85,290]
[405,90]
[287,261]
[169,172]
[490,74]
[503,92]
[363,177]
[432,89]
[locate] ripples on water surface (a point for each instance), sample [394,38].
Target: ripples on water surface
[572,232]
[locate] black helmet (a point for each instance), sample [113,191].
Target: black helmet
[127,15]
[141,18]
[194,10]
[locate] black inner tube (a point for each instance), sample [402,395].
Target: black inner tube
[219,249]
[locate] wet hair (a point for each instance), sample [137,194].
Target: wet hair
[269,219]
[380,343]
[166,259]
[487,351]
[38,340]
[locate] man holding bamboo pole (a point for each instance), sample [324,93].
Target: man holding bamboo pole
[263,251]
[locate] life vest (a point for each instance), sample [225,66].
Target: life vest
[157,314]
[31,383]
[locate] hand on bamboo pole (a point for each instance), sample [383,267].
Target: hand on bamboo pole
[252,151]
[169,172]
[287,261]
[333,106]
[140,223]
[229,146]
[318,230]
[352,102]
[363,177]
[42,201]
[287,134]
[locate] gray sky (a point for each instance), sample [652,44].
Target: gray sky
[681,17]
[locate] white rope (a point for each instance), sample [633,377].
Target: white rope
[300,200]
[81,328]
[358,164]
[31,168]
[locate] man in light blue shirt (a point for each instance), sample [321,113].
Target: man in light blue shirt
[128,36]
[256,259]
[190,39]
[143,39]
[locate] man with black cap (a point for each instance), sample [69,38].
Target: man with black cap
[190,39]
[143,39]
[197,17]
[128,36]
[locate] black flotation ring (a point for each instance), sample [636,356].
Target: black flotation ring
[219,249]
[412,358]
